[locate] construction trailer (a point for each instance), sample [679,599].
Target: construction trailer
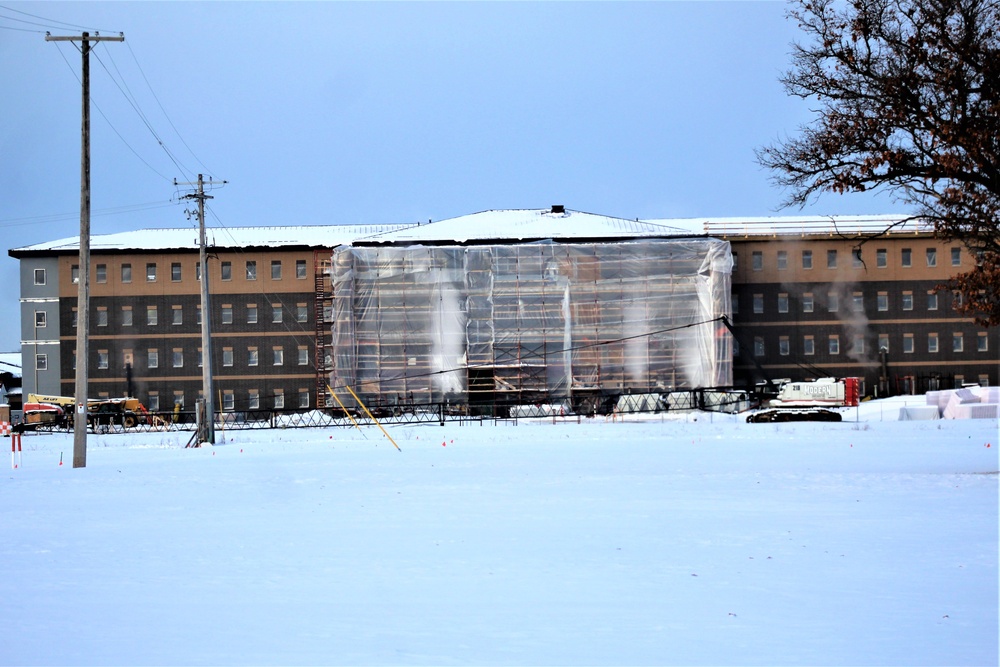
[484,327]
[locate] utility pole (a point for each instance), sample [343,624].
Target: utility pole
[208,424]
[83,288]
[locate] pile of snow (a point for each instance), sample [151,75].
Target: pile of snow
[683,539]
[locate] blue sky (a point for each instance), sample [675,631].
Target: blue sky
[334,112]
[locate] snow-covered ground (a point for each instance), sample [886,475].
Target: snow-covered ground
[692,540]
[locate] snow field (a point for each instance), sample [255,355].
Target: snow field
[661,542]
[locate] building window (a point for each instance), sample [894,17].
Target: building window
[758,346]
[809,345]
[177,357]
[276,313]
[40,276]
[126,357]
[153,401]
[74,273]
[303,355]
[199,358]
[807,303]
[834,344]
[757,259]
[736,261]
[303,398]
[227,356]
[957,342]
[228,400]
[882,301]
[831,259]
[275,269]
[783,346]
[278,355]
[152,316]
[807,259]
[956,257]
[74,316]
[126,273]
[175,272]
[782,262]
[126,316]
[279,399]
[197,272]
[227,270]
[301,312]
[227,313]
[734,302]
[102,316]
[41,362]
[833,302]
[758,303]
[856,260]
[982,342]
[179,400]
[252,357]
[932,342]
[932,301]
[906,257]
[253,399]
[883,342]
[176,315]
[197,314]
[932,257]
[102,360]
[858,301]
[907,301]
[152,358]
[40,319]
[782,303]
[907,343]
[984,380]
[881,258]
[251,269]
[101,273]
[300,269]
[251,313]
[151,272]
[858,344]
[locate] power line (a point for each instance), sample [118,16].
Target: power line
[49,23]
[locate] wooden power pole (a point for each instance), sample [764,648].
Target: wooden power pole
[207,431]
[83,287]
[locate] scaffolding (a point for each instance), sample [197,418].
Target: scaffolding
[486,327]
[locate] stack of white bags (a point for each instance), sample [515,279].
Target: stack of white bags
[965,403]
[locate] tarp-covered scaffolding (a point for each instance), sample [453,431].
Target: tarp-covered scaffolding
[488,325]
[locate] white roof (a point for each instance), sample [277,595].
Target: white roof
[528,224]
[10,362]
[791,225]
[318,236]
[509,224]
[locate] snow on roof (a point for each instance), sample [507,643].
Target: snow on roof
[791,225]
[527,224]
[10,362]
[318,236]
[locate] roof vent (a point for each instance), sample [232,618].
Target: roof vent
[558,208]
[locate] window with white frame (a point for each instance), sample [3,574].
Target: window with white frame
[253,399]
[907,343]
[177,357]
[808,345]
[102,316]
[834,344]
[300,269]
[152,358]
[41,362]
[275,269]
[251,273]
[102,359]
[279,399]
[40,277]
[303,353]
[40,319]
[303,398]
[932,342]
[782,303]
[227,356]
[276,313]
[278,354]
[152,316]
[126,316]
[252,356]
[957,342]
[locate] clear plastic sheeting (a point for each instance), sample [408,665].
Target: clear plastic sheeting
[502,325]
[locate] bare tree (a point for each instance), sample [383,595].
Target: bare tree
[908,95]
